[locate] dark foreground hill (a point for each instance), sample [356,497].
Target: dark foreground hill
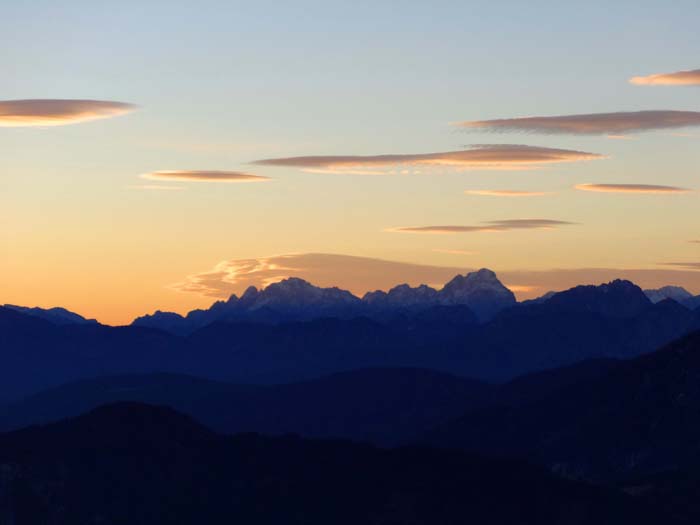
[138,464]
[639,419]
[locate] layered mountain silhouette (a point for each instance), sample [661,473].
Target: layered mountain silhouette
[385,406]
[140,464]
[294,299]
[615,320]
[637,419]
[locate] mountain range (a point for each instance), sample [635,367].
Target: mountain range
[294,299]
[311,332]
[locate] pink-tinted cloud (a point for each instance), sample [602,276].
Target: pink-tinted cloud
[613,124]
[204,176]
[363,274]
[679,78]
[506,193]
[57,112]
[488,226]
[631,188]
[485,156]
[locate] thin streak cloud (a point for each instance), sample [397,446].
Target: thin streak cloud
[506,193]
[58,112]
[631,188]
[454,252]
[612,124]
[483,156]
[488,226]
[683,265]
[155,187]
[204,176]
[689,77]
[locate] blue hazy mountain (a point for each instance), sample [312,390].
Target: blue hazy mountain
[294,299]
[677,293]
[57,315]
[615,320]
[139,464]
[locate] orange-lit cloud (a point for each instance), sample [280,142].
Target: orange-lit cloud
[488,226]
[356,274]
[204,176]
[612,124]
[57,112]
[506,193]
[679,78]
[485,156]
[362,274]
[631,188]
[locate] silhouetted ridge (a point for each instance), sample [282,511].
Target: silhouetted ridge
[57,315]
[618,298]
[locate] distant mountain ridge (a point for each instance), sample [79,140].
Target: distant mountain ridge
[677,293]
[56,315]
[295,299]
[614,320]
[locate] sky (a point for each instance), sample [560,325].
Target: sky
[232,143]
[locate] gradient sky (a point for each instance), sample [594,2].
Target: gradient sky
[219,85]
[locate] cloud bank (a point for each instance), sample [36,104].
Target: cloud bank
[362,274]
[204,176]
[679,78]
[592,124]
[506,193]
[57,112]
[488,226]
[631,188]
[484,156]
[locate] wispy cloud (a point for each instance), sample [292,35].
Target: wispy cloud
[683,265]
[155,187]
[679,78]
[612,124]
[356,274]
[363,274]
[57,112]
[631,188]
[695,241]
[204,176]
[484,156]
[454,252]
[506,193]
[488,226]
